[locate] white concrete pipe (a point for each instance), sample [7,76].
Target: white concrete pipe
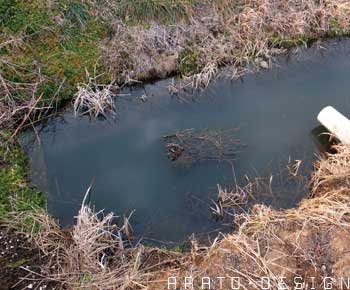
[336,123]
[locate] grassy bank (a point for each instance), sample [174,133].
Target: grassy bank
[16,192]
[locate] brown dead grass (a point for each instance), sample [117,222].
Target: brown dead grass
[20,102]
[96,254]
[221,32]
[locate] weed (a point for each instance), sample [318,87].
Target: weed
[75,11]
[167,11]
[179,248]
[188,63]
[94,255]
[94,99]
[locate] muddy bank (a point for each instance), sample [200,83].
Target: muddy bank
[19,257]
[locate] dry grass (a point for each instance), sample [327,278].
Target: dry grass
[189,146]
[229,199]
[82,258]
[221,32]
[96,253]
[94,99]
[203,78]
[204,36]
[14,108]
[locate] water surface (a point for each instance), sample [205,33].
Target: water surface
[275,111]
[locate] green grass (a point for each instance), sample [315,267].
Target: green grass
[164,11]
[59,42]
[16,194]
[181,248]
[287,43]
[23,16]
[17,263]
[188,63]
[58,45]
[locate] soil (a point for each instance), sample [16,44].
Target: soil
[18,257]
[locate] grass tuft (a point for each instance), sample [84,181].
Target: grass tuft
[94,254]
[166,11]
[94,99]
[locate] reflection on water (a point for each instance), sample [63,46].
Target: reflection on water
[275,112]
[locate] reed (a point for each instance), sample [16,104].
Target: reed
[94,99]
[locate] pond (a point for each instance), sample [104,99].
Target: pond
[272,113]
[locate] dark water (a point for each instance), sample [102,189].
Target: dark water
[275,110]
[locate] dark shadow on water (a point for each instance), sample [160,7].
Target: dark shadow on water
[323,140]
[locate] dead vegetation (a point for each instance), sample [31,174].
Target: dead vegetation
[155,39]
[20,102]
[94,99]
[310,240]
[220,32]
[229,200]
[268,189]
[97,254]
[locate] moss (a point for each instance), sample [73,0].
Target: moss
[24,16]
[16,194]
[62,48]
[17,263]
[181,248]
[287,43]
[188,63]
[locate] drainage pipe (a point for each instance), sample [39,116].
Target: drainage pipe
[336,123]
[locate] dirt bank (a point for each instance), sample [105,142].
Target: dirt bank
[18,257]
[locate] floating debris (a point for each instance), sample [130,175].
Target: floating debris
[190,146]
